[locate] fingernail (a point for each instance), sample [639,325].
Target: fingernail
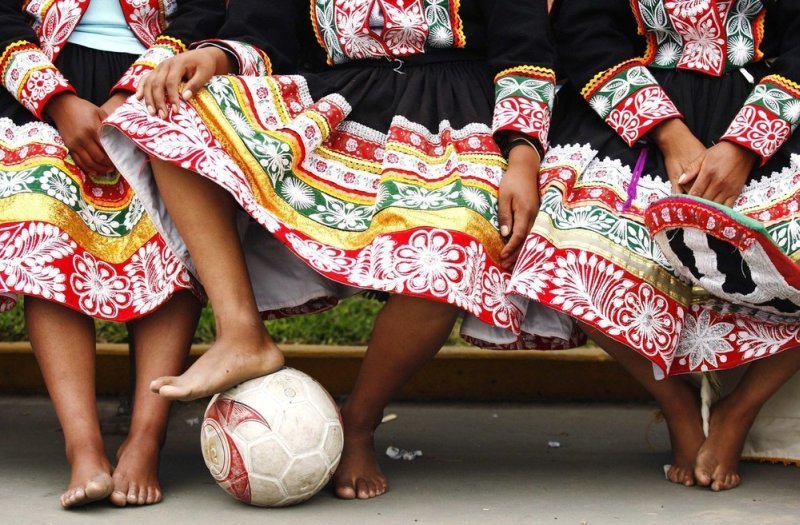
[151,110]
[187,94]
[174,108]
[504,230]
[162,114]
[682,178]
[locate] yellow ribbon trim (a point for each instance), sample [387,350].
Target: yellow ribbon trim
[40,208]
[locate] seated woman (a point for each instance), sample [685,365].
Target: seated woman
[669,98]
[74,239]
[380,171]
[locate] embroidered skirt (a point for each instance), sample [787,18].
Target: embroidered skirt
[590,254]
[374,175]
[85,243]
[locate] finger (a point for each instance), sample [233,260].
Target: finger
[99,156]
[173,83]
[160,95]
[701,183]
[77,158]
[86,162]
[690,174]
[196,81]
[140,88]
[155,90]
[504,214]
[731,201]
[521,227]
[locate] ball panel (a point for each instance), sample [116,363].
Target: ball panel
[268,458]
[266,492]
[304,475]
[302,429]
[333,444]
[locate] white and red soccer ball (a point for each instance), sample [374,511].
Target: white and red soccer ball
[274,440]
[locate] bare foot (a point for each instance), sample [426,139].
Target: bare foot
[227,363]
[685,434]
[90,479]
[136,475]
[718,459]
[358,475]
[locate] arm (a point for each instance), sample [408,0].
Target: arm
[192,21]
[772,111]
[520,51]
[606,53]
[25,70]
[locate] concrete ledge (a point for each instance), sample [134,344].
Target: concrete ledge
[457,373]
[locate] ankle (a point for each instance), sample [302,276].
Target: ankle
[359,421]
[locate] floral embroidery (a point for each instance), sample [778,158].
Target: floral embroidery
[710,36]
[523,101]
[770,115]
[631,102]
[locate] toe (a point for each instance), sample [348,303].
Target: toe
[157,384]
[175,392]
[142,498]
[151,498]
[362,489]
[119,498]
[132,494]
[702,477]
[345,490]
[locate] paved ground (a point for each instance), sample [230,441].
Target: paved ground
[482,464]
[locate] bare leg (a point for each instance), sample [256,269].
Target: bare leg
[677,399]
[63,341]
[408,332]
[162,341]
[205,216]
[732,417]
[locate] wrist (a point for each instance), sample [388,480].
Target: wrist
[224,63]
[522,152]
[55,106]
[746,154]
[669,133]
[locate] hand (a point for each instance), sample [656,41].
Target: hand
[78,121]
[724,172]
[116,100]
[683,153]
[518,201]
[195,67]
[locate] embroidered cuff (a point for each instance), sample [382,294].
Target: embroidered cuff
[630,100]
[163,48]
[252,61]
[31,77]
[523,101]
[769,116]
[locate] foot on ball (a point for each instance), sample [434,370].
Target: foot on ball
[224,365]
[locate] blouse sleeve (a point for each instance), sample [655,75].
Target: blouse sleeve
[263,34]
[772,111]
[606,52]
[193,20]
[520,50]
[25,70]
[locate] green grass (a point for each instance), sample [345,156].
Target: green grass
[349,323]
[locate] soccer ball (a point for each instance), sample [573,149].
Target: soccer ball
[274,440]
